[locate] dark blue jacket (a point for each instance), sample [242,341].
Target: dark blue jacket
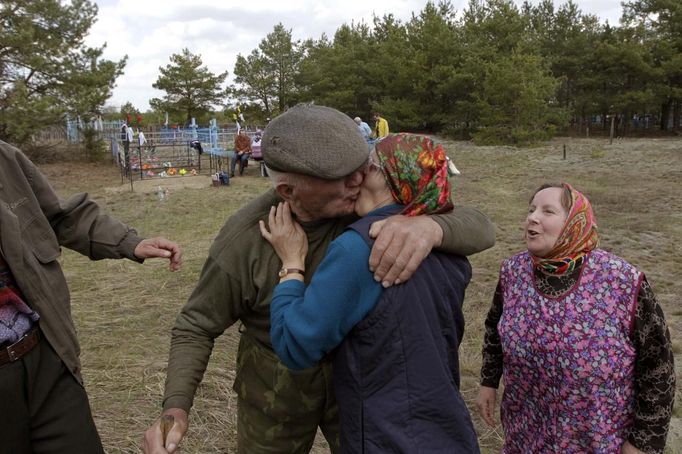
[397,373]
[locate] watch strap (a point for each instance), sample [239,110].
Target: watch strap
[286,271]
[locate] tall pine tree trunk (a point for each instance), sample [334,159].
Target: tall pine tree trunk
[626,122]
[676,115]
[267,107]
[665,114]
[584,121]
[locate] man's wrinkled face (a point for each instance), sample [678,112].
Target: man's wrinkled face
[314,198]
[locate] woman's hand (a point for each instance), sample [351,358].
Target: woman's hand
[286,236]
[487,398]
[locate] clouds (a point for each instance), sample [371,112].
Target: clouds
[149,31]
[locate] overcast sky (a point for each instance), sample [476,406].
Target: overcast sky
[149,31]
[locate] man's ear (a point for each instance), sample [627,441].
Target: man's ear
[285,191]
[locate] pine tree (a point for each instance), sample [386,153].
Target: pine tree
[191,89]
[269,72]
[662,19]
[256,82]
[517,103]
[46,70]
[335,73]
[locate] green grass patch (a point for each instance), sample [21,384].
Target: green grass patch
[598,154]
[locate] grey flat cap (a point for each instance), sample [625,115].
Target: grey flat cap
[314,140]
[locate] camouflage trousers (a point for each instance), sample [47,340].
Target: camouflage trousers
[279,410]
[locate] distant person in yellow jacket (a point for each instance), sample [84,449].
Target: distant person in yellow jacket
[380,126]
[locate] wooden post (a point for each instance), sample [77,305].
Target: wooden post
[613,120]
[564,151]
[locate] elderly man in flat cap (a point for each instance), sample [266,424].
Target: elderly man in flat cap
[317,159]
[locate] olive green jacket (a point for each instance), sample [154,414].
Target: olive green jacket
[34,224]
[239,276]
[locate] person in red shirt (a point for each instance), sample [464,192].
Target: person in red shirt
[242,151]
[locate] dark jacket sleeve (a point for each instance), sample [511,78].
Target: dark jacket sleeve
[78,223]
[654,374]
[492,366]
[466,231]
[215,304]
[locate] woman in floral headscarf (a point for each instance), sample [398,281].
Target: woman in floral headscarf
[580,340]
[396,365]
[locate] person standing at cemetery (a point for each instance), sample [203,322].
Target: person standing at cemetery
[126,145]
[380,126]
[130,133]
[408,400]
[43,405]
[141,140]
[242,152]
[579,338]
[317,161]
[130,136]
[364,128]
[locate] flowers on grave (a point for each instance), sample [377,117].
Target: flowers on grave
[163,174]
[182,172]
[194,172]
[150,173]
[172,171]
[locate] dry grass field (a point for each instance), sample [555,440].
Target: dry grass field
[124,311]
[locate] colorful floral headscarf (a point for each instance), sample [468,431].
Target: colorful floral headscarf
[577,238]
[416,173]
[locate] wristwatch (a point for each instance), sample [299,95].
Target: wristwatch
[284,271]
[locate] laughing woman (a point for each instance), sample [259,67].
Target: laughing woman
[580,340]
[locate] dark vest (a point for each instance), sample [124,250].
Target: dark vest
[396,374]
